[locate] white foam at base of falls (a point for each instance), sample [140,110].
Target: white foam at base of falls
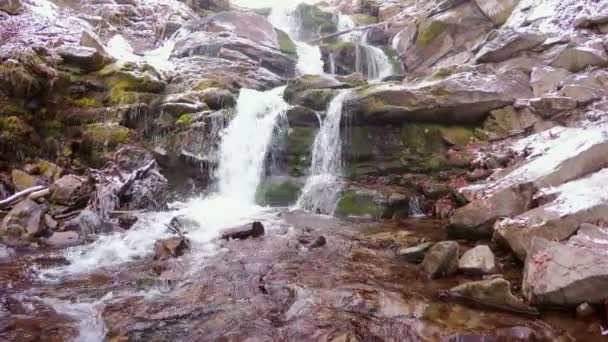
[323,185]
[243,149]
[414,208]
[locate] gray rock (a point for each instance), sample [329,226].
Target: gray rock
[84,57]
[252,230]
[441,260]
[478,260]
[300,116]
[546,79]
[25,220]
[416,253]
[507,44]
[578,58]
[559,274]
[549,105]
[69,189]
[495,293]
[88,223]
[170,248]
[63,239]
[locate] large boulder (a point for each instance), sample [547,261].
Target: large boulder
[508,43]
[25,220]
[568,206]
[553,158]
[87,58]
[441,260]
[464,97]
[563,274]
[238,36]
[495,293]
[497,10]
[70,190]
[546,79]
[577,58]
[312,91]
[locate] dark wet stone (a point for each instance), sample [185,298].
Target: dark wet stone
[416,253]
[441,260]
[252,230]
[319,242]
[170,248]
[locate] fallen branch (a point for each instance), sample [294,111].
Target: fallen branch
[17,196]
[40,193]
[138,174]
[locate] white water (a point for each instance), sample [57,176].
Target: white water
[376,65]
[415,210]
[323,185]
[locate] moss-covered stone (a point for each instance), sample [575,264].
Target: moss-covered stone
[22,180]
[286,45]
[298,143]
[312,19]
[86,102]
[184,120]
[281,193]
[428,34]
[101,135]
[354,204]
[364,19]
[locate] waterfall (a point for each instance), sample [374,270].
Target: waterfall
[414,208]
[323,185]
[245,142]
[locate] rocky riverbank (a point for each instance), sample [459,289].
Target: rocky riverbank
[492,123]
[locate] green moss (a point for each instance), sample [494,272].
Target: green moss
[457,135]
[278,194]
[353,204]
[286,45]
[298,142]
[430,33]
[338,46]
[364,19]
[184,120]
[86,102]
[106,135]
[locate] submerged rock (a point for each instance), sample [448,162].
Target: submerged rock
[416,253]
[441,260]
[495,293]
[478,260]
[170,248]
[251,230]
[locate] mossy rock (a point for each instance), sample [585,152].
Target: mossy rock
[184,120]
[298,142]
[352,203]
[86,102]
[430,33]
[338,46]
[286,45]
[22,180]
[49,170]
[101,135]
[364,19]
[313,19]
[278,194]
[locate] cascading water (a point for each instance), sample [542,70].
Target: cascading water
[323,185]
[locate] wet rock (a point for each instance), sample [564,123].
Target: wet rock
[70,190]
[566,208]
[478,174]
[11,6]
[170,248]
[577,58]
[49,170]
[25,220]
[217,98]
[478,260]
[126,221]
[456,99]
[584,311]
[302,116]
[312,91]
[560,274]
[414,254]
[441,260]
[184,223]
[89,59]
[495,293]
[476,219]
[546,79]
[508,43]
[88,223]
[443,209]
[23,180]
[63,239]
[251,230]
[548,106]
[319,242]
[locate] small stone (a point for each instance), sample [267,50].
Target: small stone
[22,179]
[441,260]
[319,242]
[479,260]
[585,310]
[416,253]
[170,248]
[63,239]
[252,230]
